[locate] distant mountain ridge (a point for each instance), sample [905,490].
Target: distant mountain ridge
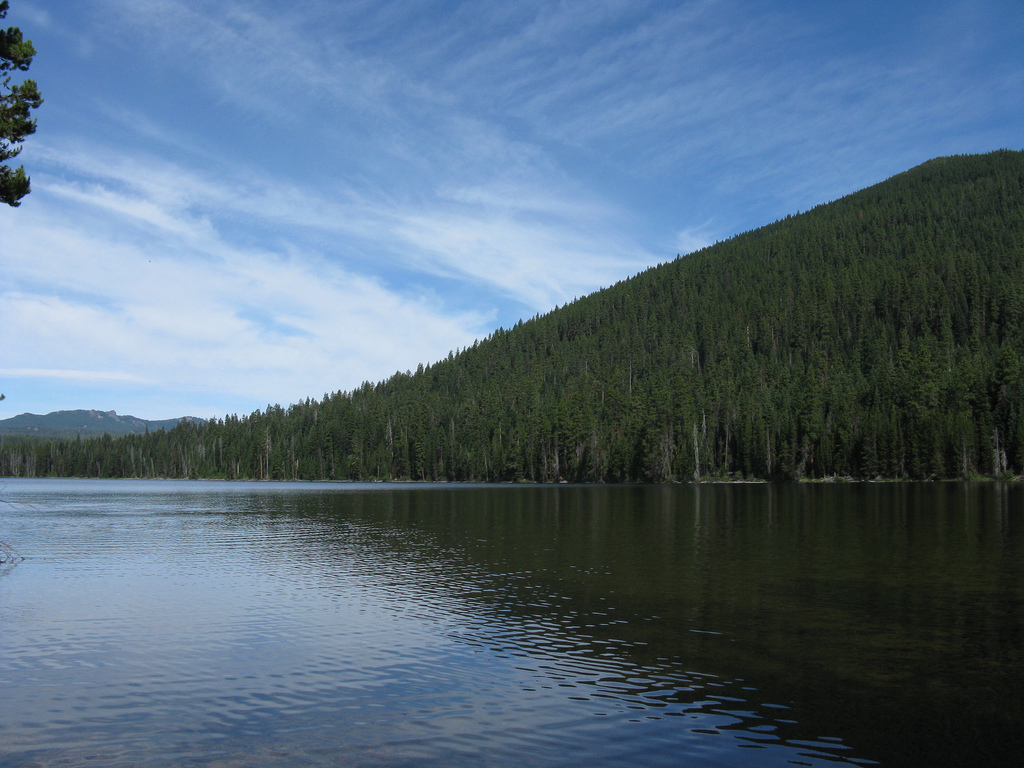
[84,423]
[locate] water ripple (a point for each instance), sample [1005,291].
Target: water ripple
[247,624]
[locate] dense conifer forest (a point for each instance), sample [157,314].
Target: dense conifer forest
[880,335]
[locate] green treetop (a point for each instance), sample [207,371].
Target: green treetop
[16,102]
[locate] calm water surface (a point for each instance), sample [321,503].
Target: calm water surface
[229,624]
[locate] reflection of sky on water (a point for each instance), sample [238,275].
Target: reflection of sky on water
[303,624]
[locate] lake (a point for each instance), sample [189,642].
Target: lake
[161,623]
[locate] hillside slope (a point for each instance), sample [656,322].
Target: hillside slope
[878,335]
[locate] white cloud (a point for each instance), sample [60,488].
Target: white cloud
[539,265]
[693,239]
[48,373]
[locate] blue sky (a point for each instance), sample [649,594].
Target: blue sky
[243,203]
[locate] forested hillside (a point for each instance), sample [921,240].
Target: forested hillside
[878,335]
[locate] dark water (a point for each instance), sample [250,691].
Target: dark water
[174,623]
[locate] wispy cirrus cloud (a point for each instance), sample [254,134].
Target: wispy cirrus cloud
[527,243]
